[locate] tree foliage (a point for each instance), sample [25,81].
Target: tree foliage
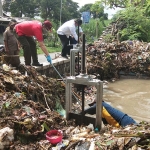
[133,24]
[123,3]
[69,10]
[147,9]
[133,20]
[86,7]
[96,10]
[47,9]
[20,8]
[94,29]
[115,3]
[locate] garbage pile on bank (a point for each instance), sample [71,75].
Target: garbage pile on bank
[110,60]
[31,105]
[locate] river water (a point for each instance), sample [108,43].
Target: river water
[131,96]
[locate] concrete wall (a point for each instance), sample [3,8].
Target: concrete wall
[62,66]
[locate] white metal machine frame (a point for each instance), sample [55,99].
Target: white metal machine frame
[82,79]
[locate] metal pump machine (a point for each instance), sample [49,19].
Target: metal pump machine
[82,79]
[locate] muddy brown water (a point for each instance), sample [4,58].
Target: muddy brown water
[131,96]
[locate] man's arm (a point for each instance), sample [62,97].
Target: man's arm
[5,42]
[73,33]
[6,46]
[43,47]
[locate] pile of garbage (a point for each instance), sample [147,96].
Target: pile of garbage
[32,105]
[32,85]
[110,60]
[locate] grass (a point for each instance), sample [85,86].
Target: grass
[50,50]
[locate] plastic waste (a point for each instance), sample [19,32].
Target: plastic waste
[7,134]
[84,145]
[62,112]
[60,109]
[17,94]
[6,68]
[64,143]
[96,130]
[92,146]
[90,126]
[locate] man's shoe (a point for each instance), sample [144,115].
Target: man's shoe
[64,56]
[37,64]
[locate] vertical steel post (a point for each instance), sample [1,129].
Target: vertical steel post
[72,63]
[68,99]
[99,99]
[1,10]
[78,52]
[83,55]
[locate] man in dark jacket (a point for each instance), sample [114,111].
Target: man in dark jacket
[10,41]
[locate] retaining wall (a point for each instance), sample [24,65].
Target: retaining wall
[62,66]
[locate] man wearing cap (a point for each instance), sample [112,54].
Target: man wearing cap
[10,41]
[25,31]
[66,30]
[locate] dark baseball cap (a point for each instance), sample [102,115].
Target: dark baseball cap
[48,24]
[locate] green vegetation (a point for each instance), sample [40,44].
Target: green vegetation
[132,21]
[50,50]
[94,29]
[46,9]
[133,24]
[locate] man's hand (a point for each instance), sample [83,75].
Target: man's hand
[48,57]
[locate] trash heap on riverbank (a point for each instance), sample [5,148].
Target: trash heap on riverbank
[110,60]
[31,105]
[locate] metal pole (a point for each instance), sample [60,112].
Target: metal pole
[82,102]
[78,52]
[99,99]
[78,34]
[83,70]
[83,55]
[60,11]
[1,11]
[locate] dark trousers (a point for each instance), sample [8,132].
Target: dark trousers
[72,40]
[29,49]
[65,42]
